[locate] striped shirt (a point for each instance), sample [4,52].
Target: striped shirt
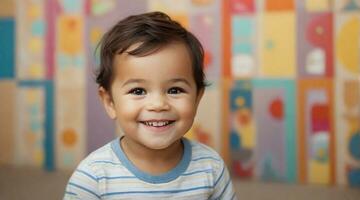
[108,174]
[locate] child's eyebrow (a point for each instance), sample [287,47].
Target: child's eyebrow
[134,81]
[175,80]
[180,80]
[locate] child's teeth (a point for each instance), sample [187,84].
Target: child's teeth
[157,124]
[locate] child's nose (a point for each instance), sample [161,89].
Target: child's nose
[157,103]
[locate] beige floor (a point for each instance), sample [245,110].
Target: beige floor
[28,184]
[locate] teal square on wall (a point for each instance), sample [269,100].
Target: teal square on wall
[7,50]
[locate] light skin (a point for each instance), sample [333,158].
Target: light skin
[154,100]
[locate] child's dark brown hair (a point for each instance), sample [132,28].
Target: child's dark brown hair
[152,31]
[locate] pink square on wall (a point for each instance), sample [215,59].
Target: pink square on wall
[242,6]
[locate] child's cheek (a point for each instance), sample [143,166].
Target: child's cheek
[186,109]
[128,109]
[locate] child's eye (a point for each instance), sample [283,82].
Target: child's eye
[176,90]
[137,91]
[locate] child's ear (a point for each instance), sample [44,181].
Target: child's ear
[107,102]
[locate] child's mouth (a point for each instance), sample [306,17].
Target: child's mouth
[157,124]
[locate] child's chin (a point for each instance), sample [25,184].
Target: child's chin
[158,145]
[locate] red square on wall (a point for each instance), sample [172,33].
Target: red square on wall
[242,6]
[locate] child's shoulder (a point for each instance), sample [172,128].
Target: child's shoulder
[204,157]
[101,156]
[201,148]
[202,152]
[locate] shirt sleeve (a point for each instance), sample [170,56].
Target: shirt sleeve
[223,187]
[83,184]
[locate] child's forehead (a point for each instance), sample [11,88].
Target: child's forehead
[147,48]
[169,61]
[176,49]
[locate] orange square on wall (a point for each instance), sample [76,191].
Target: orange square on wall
[279,5]
[70,34]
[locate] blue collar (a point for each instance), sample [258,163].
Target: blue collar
[163,178]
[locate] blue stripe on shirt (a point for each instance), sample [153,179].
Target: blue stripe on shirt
[85,189]
[130,177]
[116,177]
[70,193]
[222,192]
[203,158]
[222,173]
[233,196]
[87,174]
[196,172]
[155,192]
[107,162]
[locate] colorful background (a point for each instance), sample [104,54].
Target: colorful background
[284,100]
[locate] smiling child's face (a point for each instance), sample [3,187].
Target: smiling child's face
[154,97]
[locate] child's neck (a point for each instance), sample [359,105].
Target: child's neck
[153,161]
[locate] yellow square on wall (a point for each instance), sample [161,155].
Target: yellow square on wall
[317,5]
[277,48]
[70,34]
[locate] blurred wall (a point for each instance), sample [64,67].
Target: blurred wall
[284,100]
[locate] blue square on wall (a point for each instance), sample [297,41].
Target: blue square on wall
[7,48]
